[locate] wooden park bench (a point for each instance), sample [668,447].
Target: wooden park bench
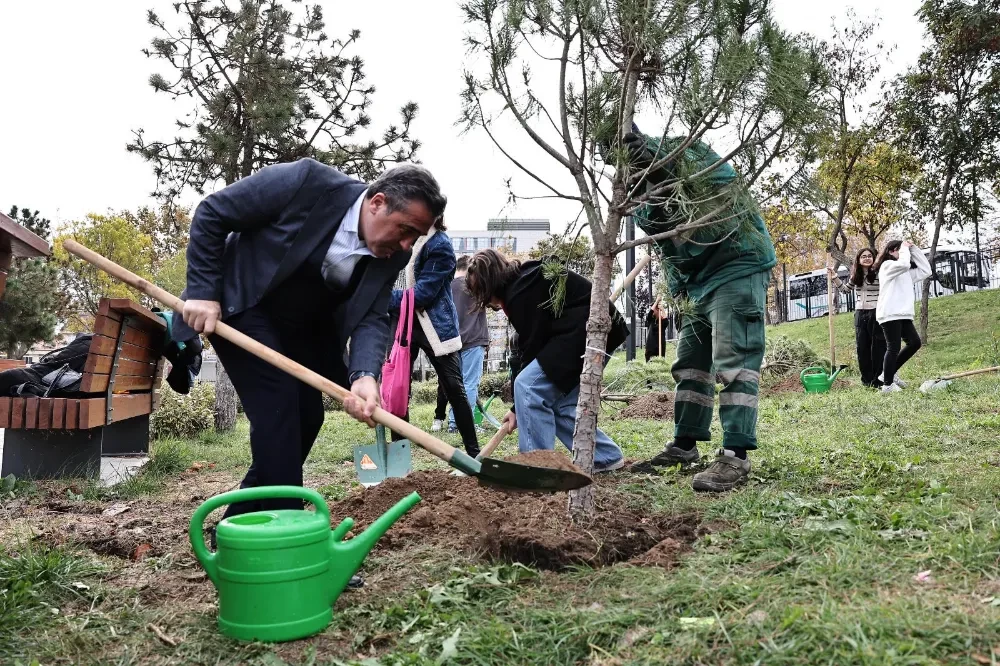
[52,437]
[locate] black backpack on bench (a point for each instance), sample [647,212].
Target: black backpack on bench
[56,375]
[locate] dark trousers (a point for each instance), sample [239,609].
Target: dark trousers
[285,414]
[870,346]
[449,371]
[441,408]
[895,332]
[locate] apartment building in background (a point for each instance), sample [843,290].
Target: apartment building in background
[511,234]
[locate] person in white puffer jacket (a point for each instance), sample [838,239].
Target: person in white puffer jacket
[894,311]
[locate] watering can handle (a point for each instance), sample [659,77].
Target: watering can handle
[197,536]
[810,369]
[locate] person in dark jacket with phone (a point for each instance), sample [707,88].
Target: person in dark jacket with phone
[552,343]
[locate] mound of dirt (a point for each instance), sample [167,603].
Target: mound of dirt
[658,406]
[530,528]
[790,384]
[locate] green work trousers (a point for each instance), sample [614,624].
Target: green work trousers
[722,341]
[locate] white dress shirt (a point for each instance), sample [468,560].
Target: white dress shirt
[346,249]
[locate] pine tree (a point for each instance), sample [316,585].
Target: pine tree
[29,310]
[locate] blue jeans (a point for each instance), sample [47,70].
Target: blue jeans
[472,372]
[544,413]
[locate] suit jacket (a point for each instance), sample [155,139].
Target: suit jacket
[249,237]
[558,343]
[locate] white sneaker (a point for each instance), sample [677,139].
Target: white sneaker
[899,382]
[891,388]
[436,425]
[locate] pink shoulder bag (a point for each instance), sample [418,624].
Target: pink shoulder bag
[395,389]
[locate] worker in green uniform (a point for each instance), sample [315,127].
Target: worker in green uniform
[719,274]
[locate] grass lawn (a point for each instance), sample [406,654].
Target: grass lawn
[867,535]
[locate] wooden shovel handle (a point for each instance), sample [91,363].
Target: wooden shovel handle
[969,373]
[630,278]
[428,442]
[495,442]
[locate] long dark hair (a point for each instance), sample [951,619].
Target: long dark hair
[858,275]
[488,275]
[884,255]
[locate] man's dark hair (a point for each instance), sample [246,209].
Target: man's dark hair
[410,182]
[462,263]
[488,275]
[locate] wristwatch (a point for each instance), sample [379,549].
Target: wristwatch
[358,374]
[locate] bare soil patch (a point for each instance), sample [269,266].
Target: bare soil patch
[659,406]
[530,528]
[790,384]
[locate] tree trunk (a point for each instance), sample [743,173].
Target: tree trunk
[225,400]
[872,241]
[938,223]
[581,501]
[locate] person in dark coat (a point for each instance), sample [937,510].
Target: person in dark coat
[656,332]
[302,259]
[552,345]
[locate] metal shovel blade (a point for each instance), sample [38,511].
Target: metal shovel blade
[513,475]
[489,418]
[374,463]
[934,385]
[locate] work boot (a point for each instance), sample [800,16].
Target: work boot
[724,474]
[674,455]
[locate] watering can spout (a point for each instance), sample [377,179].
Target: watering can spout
[833,377]
[346,556]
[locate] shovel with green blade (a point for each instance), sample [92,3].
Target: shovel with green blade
[499,472]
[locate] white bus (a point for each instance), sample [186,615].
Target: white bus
[807,295]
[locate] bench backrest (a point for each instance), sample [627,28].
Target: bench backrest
[122,372]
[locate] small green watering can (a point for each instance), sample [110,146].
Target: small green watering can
[817,380]
[278,573]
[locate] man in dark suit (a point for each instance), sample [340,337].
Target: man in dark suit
[302,258]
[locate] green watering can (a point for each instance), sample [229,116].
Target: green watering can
[278,573]
[482,412]
[816,379]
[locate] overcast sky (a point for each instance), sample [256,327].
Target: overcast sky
[74,86]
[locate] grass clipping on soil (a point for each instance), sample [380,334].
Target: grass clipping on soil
[530,528]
